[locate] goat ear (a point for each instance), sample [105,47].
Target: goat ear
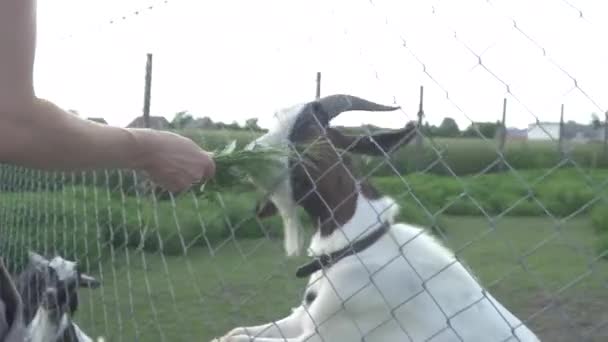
[375,144]
[265,208]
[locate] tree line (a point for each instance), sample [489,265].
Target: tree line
[184,119]
[449,129]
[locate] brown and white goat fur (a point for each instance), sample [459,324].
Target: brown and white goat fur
[405,286]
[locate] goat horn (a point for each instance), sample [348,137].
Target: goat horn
[333,105]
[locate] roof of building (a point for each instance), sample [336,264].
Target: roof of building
[100,120]
[156,122]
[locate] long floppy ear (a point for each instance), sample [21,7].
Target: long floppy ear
[375,144]
[265,208]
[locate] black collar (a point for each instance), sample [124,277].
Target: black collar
[327,260]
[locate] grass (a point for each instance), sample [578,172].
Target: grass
[150,297]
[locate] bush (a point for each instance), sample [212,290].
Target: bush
[172,229]
[83,222]
[86,222]
[562,192]
[599,218]
[469,156]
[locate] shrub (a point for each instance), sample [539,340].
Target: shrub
[462,206]
[469,156]
[69,222]
[172,229]
[599,218]
[562,192]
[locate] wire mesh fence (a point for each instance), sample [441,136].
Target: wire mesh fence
[525,215]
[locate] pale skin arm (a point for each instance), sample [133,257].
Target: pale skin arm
[37,133]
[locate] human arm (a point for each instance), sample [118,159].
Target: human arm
[37,133]
[17,51]
[44,136]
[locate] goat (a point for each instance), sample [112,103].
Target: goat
[49,290]
[371,278]
[12,328]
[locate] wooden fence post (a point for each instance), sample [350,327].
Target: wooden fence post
[147,91]
[606,135]
[419,147]
[503,135]
[560,144]
[318,93]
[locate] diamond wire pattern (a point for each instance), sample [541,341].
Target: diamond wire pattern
[133,281]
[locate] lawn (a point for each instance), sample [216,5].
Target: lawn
[543,271]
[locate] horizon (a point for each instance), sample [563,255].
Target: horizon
[170,117]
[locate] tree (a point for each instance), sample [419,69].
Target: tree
[426,129]
[487,129]
[448,128]
[252,124]
[595,121]
[181,119]
[233,126]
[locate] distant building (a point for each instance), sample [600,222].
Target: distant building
[573,131]
[517,133]
[544,131]
[99,120]
[156,122]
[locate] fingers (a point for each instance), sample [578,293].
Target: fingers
[210,167]
[182,179]
[173,162]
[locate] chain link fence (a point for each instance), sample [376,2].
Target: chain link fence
[527,217]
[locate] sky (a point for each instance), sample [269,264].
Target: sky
[233,60]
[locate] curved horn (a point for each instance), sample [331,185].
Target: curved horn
[333,105]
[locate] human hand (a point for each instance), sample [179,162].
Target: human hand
[172,161]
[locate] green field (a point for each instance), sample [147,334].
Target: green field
[527,262]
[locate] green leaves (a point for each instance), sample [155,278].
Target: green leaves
[240,168]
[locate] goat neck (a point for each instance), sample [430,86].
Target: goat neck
[345,213]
